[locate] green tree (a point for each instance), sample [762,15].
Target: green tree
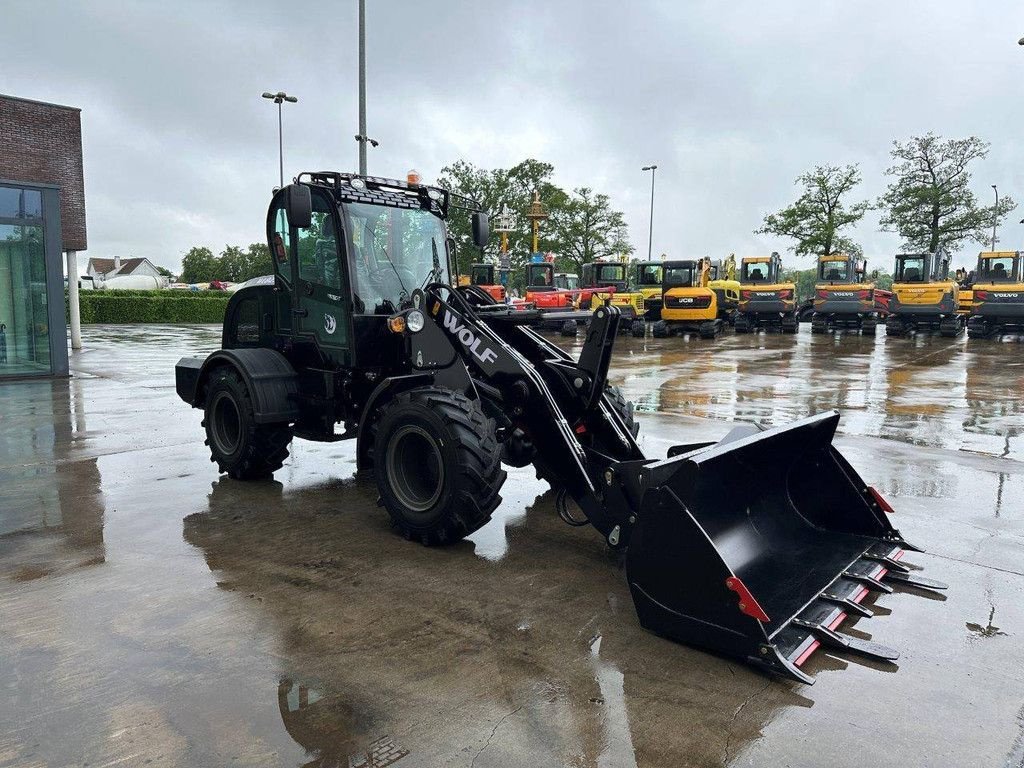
[929,202]
[587,228]
[199,265]
[164,272]
[819,215]
[510,188]
[237,265]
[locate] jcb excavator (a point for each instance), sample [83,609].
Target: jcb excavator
[924,296]
[760,546]
[997,295]
[483,276]
[766,301]
[846,297]
[689,304]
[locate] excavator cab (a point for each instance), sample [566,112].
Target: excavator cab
[483,276]
[722,280]
[925,297]
[766,300]
[997,295]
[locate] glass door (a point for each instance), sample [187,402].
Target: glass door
[24,315]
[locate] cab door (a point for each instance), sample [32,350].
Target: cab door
[324,312]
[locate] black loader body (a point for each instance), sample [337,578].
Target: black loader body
[361,334]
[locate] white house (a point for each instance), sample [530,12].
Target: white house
[101,270]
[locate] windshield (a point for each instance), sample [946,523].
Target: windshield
[911,269]
[997,270]
[610,273]
[539,274]
[754,271]
[567,282]
[679,275]
[834,271]
[649,274]
[394,252]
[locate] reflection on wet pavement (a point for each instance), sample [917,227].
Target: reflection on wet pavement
[153,613]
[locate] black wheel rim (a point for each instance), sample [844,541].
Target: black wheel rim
[226,423]
[415,468]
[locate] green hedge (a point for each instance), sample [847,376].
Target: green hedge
[152,306]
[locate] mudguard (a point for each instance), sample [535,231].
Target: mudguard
[270,378]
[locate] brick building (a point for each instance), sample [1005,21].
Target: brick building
[42,213]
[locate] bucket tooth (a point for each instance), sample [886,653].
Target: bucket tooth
[890,563]
[836,640]
[848,605]
[870,582]
[913,580]
[772,660]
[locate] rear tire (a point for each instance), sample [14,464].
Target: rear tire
[624,408]
[660,330]
[638,329]
[239,446]
[742,324]
[709,329]
[437,463]
[790,324]
[818,324]
[868,326]
[569,328]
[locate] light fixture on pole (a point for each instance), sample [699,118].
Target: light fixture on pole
[650,232]
[995,217]
[361,137]
[279,98]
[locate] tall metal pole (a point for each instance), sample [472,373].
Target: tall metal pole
[650,233]
[280,143]
[995,217]
[362,87]
[279,98]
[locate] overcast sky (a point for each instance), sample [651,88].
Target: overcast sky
[731,100]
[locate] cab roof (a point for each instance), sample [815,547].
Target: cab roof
[756,259]
[997,254]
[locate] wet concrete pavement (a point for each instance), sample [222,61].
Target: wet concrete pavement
[154,614]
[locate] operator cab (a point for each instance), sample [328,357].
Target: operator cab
[756,271]
[841,269]
[921,267]
[481,274]
[598,274]
[348,252]
[680,274]
[648,274]
[999,267]
[565,281]
[540,276]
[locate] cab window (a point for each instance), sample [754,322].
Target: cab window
[650,275]
[681,276]
[834,270]
[610,273]
[281,245]
[755,272]
[481,276]
[539,274]
[998,269]
[318,247]
[912,269]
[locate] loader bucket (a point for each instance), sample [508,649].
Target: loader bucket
[762,545]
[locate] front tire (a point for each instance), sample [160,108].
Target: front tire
[437,463]
[239,446]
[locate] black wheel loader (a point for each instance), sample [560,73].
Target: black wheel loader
[757,547]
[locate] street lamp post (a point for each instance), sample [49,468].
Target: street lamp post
[995,217]
[279,98]
[650,232]
[361,137]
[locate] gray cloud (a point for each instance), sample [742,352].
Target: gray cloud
[732,101]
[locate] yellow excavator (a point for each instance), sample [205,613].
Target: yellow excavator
[925,296]
[722,280]
[766,301]
[845,296]
[997,295]
[689,304]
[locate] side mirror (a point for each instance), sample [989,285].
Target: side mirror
[481,229]
[300,206]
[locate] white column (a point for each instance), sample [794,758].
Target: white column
[76,326]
